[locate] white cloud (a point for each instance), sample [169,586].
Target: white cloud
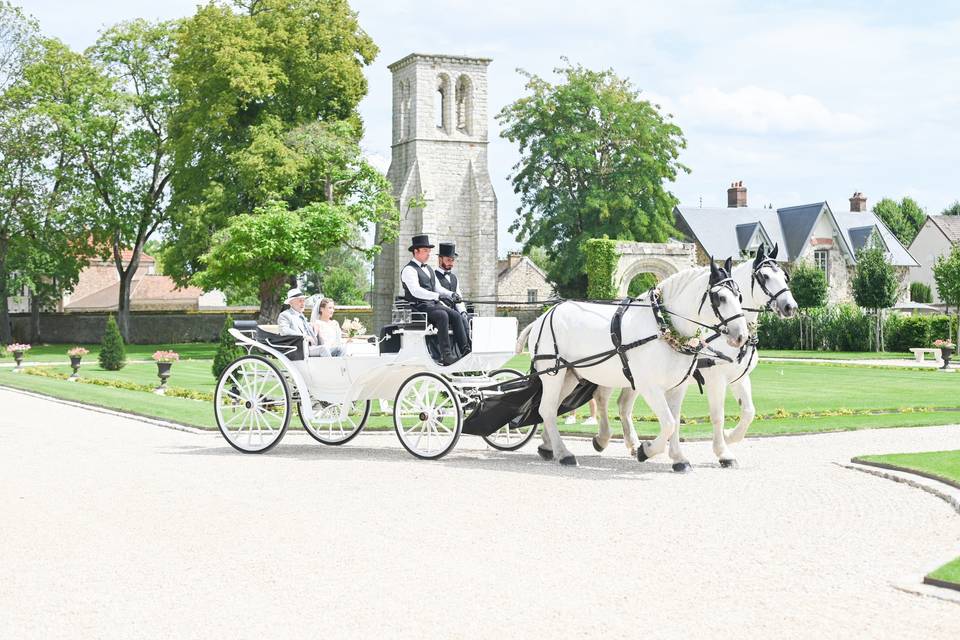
[754,109]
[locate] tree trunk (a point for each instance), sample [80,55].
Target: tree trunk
[35,318]
[270,300]
[123,305]
[6,336]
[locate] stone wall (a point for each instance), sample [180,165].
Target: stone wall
[514,282]
[151,328]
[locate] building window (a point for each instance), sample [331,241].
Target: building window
[822,259]
[531,295]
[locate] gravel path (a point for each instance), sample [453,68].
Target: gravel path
[112,528]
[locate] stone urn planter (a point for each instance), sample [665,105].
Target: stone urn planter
[18,357]
[17,349]
[945,353]
[163,372]
[75,365]
[164,360]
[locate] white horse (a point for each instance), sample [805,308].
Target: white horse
[764,285]
[574,341]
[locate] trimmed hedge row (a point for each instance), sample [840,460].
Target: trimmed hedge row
[847,328]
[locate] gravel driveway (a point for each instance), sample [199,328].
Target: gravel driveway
[112,528]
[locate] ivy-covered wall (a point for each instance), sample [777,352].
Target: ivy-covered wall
[601,263]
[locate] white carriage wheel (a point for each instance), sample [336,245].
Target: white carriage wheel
[427,416]
[508,438]
[328,427]
[252,404]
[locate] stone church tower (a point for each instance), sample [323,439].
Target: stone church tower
[439,161]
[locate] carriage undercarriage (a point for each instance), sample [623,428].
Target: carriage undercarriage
[256,395]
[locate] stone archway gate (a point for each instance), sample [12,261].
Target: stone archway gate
[662,259]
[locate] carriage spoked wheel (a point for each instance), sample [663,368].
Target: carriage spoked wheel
[427,416]
[328,427]
[508,438]
[252,404]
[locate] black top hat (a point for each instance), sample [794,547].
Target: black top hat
[448,250]
[420,242]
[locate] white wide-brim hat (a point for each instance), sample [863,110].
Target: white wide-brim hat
[292,294]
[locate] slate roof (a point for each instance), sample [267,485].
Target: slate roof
[721,231]
[949,225]
[860,235]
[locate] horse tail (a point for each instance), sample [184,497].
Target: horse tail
[522,338]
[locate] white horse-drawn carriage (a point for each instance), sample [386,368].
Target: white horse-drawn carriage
[258,393]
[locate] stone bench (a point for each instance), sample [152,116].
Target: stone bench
[919,352]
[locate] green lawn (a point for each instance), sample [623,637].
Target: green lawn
[837,355]
[944,465]
[58,352]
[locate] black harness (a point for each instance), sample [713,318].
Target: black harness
[620,348]
[761,279]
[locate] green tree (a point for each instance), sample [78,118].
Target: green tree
[952,210]
[268,104]
[22,149]
[113,353]
[875,285]
[115,103]
[903,218]
[227,350]
[946,274]
[920,292]
[267,246]
[808,284]
[594,157]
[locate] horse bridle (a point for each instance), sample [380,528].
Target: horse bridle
[713,293]
[761,279]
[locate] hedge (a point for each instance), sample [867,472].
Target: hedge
[601,263]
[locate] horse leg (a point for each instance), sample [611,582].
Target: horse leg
[675,402]
[602,397]
[716,395]
[555,388]
[743,391]
[657,401]
[625,405]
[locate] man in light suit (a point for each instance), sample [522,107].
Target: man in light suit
[292,322]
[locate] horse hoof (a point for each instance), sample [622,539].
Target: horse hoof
[569,461]
[641,454]
[729,464]
[546,454]
[596,445]
[682,467]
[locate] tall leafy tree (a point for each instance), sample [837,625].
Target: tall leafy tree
[875,285]
[808,284]
[903,218]
[594,157]
[952,210]
[250,76]
[946,274]
[115,102]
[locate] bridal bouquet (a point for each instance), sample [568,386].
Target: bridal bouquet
[353,328]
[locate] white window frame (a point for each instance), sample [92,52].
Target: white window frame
[823,255]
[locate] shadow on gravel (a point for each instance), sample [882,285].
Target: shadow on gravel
[591,466]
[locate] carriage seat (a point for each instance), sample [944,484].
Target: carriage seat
[269,334]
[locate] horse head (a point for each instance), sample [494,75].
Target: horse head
[725,300]
[774,282]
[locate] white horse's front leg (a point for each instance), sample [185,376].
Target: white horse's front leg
[675,402]
[743,391]
[716,390]
[668,423]
[602,397]
[625,405]
[555,389]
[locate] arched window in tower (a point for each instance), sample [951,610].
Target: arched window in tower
[440,103]
[464,105]
[403,129]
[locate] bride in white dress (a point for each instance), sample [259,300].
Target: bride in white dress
[328,330]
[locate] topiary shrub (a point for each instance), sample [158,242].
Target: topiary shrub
[227,351]
[113,354]
[920,292]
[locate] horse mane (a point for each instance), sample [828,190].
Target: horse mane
[685,286]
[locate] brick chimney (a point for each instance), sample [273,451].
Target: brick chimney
[737,195]
[858,202]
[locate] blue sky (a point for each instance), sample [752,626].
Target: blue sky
[803,101]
